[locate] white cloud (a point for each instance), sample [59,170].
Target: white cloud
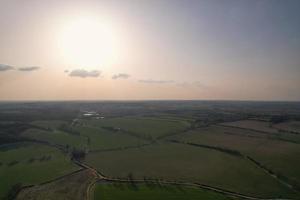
[120,76]
[4,67]
[150,81]
[84,73]
[28,69]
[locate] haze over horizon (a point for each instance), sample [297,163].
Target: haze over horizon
[149,50]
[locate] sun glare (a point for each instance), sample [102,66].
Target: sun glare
[87,42]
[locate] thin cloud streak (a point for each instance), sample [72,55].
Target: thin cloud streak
[151,81]
[120,76]
[84,73]
[28,69]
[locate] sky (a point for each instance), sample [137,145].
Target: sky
[158,49]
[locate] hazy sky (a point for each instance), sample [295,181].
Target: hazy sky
[154,49]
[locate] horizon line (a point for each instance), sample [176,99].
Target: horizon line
[143,100]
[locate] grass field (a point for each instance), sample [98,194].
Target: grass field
[191,164]
[88,137]
[50,124]
[253,125]
[29,163]
[146,127]
[56,137]
[289,126]
[143,192]
[73,187]
[188,119]
[99,139]
[281,157]
[235,138]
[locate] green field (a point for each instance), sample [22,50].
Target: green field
[281,157]
[99,139]
[88,137]
[253,125]
[73,187]
[28,163]
[49,124]
[107,191]
[56,137]
[190,164]
[144,127]
[149,150]
[289,126]
[188,119]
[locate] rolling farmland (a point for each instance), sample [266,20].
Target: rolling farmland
[190,152]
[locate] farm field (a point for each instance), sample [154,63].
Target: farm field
[28,163]
[86,137]
[253,125]
[143,126]
[56,137]
[293,126]
[101,139]
[184,119]
[171,150]
[185,163]
[276,154]
[72,187]
[107,191]
[49,124]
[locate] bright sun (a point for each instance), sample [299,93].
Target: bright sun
[88,43]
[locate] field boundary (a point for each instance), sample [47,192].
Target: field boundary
[220,149]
